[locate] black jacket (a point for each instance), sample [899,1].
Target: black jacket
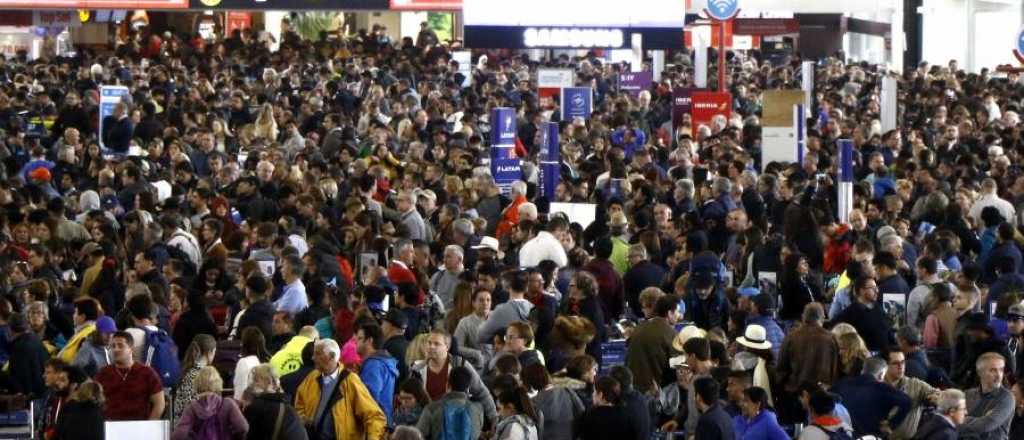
[601,422]
[262,417]
[935,427]
[636,405]
[260,315]
[80,421]
[715,424]
[28,356]
[117,133]
[290,382]
[870,323]
[639,277]
[190,324]
[396,347]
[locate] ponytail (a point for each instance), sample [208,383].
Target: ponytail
[200,346]
[520,399]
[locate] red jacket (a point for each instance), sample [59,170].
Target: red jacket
[398,272]
[509,217]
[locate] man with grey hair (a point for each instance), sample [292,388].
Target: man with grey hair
[642,274]
[411,218]
[333,403]
[950,412]
[464,235]
[293,297]
[990,407]
[444,281]
[875,406]
[682,197]
[715,211]
[809,354]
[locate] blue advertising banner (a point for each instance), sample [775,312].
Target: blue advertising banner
[577,102]
[109,97]
[635,82]
[550,153]
[504,163]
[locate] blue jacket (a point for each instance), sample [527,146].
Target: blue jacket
[763,426]
[707,313]
[380,374]
[870,402]
[1005,283]
[998,253]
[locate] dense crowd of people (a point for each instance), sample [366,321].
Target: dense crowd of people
[309,243]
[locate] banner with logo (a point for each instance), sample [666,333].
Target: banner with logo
[682,103]
[504,163]
[238,20]
[635,82]
[551,81]
[465,60]
[109,97]
[550,152]
[58,19]
[780,134]
[707,105]
[577,102]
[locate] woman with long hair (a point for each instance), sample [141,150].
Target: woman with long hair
[462,306]
[254,352]
[518,419]
[266,125]
[852,354]
[82,418]
[757,418]
[797,288]
[198,355]
[583,301]
[267,404]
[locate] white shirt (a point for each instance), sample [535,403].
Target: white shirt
[542,247]
[242,369]
[188,244]
[1005,208]
[139,342]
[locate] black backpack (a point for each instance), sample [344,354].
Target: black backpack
[839,434]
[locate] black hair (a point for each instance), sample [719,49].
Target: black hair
[707,389]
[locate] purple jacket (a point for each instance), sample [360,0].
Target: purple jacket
[232,423]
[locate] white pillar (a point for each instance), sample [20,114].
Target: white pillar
[637,45]
[700,60]
[272,24]
[658,64]
[969,60]
[898,37]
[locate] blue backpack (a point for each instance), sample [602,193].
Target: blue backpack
[161,355]
[458,425]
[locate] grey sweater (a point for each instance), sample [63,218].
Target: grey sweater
[512,311]
[431,423]
[988,415]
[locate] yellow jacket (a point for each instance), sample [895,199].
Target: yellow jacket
[356,415]
[289,357]
[68,353]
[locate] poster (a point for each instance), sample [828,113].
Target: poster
[635,82]
[577,102]
[706,105]
[109,97]
[681,105]
[504,163]
[551,81]
[550,169]
[367,262]
[779,134]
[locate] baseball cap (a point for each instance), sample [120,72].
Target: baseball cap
[396,318]
[1016,311]
[105,325]
[765,302]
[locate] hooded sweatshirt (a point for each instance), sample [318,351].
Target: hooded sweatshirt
[204,410]
[380,374]
[513,310]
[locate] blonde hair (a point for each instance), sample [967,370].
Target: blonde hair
[263,379]
[851,347]
[89,391]
[841,329]
[417,350]
[208,381]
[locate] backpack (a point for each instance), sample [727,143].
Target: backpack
[161,355]
[176,253]
[210,429]
[457,423]
[839,434]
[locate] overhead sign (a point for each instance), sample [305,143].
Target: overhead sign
[109,97]
[577,102]
[58,19]
[94,4]
[286,5]
[551,81]
[765,26]
[682,101]
[722,9]
[635,82]
[426,5]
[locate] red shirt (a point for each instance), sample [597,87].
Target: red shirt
[398,272]
[437,383]
[128,394]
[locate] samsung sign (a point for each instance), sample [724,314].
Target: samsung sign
[609,24]
[573,37]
